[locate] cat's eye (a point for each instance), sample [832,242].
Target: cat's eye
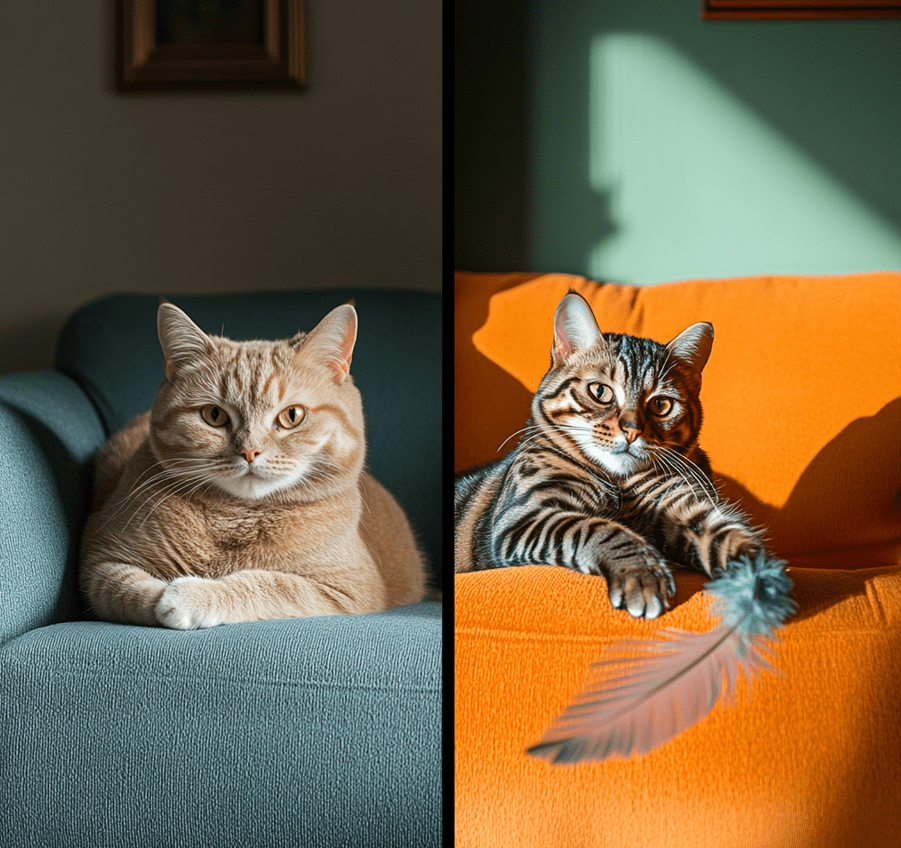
[661,406]
[214,415]
[290,417]
[601,392]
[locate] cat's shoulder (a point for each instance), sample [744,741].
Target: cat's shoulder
[116,454]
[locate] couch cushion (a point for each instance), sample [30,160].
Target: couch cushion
[110,347]
[49,431]
[320,731]
[811,758]
[802,392]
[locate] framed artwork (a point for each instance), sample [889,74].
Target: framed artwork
[798,9]
[170,45]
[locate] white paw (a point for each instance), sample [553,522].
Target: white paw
[185,605]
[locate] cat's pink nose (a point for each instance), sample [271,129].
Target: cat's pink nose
[631,434]
[250,454]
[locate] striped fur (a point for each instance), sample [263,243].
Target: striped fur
[608,477]
[241,494]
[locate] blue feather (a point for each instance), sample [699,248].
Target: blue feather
[632,704]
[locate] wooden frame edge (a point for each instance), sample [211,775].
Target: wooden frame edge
[773,10]
[278,64]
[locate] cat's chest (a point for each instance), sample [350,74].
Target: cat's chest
[234,529]
[216,536]
[561,477]
[242,528]
[213,539]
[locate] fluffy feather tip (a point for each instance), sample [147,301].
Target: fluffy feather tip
[634,702]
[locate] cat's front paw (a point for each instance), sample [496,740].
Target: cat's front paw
[640,582]
[186,605]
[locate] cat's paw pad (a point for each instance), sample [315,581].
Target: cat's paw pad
[185,605]
[641,584]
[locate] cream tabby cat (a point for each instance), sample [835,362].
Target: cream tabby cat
[241,495]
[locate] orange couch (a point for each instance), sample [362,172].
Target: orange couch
[802,403]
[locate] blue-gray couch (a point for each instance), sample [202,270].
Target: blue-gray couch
[302,732]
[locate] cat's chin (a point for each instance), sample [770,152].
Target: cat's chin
[251,487]
[619,463]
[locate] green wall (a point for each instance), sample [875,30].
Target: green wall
[632,141]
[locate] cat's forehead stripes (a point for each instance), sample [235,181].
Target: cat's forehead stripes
[255,375]
[633,367]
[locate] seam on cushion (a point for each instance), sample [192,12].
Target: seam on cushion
[872,546]
[70,670]
[539,636]
[87,389]
[525,636]
[249,682]
[876,603]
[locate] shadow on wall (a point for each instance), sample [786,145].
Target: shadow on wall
[491,135]
[661,146]
[496,404]
[845,509]
[701,186]
[25,342]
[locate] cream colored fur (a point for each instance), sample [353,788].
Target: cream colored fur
[195,524]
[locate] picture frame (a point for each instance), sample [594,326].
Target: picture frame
[799,9]
[183,45]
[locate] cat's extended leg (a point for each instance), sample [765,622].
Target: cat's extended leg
[638,578]
[710,540]
[694,527]
[118,591]
[189,603]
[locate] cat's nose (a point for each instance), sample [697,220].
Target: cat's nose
[250,454]
[631,434]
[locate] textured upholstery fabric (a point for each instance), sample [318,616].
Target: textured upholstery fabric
[304,732]
[294,732]
[802,396]
[49,432]
[812,758]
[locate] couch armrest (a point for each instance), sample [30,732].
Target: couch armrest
[49,431]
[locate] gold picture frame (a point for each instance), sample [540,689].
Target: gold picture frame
[177,45]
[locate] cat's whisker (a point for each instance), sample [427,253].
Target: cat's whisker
[532,439]
[664,461]
[668,458]
[531,427]
[154,479]
[169,478]
[675,470]
[172,484]
[185,492]
[135,492]
[708,483]
[697,473]
[365,504]
[185,487]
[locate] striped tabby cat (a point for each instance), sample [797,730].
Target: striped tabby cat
[241,494]
[608,477]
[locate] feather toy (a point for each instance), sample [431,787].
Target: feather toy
[633,703]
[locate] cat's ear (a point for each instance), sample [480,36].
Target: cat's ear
[332,340]
[181,339]
[693,345]
[574,328]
